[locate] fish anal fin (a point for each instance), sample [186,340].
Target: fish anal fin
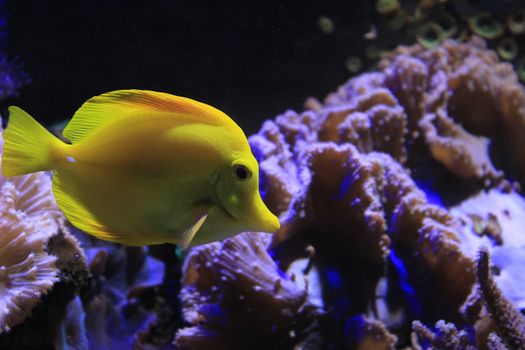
[67,194]
[189,233]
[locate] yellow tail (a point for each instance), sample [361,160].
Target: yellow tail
[28,146]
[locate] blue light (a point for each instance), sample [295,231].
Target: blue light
[333,278]
[432,196]
[408,291]
[344,187]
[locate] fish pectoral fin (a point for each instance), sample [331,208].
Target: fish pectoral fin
[190,232]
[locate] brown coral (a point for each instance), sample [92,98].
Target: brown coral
[382,206]
[345,177]
[464,94]
[235,297]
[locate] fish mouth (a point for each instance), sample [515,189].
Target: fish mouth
[261,218]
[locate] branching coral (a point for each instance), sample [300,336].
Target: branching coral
[446,337]
[509,322]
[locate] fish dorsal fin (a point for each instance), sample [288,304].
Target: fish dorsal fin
[190,232]
[101,109]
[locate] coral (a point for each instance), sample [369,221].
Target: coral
[42,265]
[495,343]
[492,219]
[356,177]
[73,332]
[384,209]
[507,49]
[124,293]
[484,25]
[470,97]
[161,300]
[235,297]
[41,255]
[386,190]
[430,23]
[12,77]
[509,322]
[430,35]
[26,270]
[446,337]
[461,152]
[28,218]
[365,333]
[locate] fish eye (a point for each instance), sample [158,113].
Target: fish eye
[241,172]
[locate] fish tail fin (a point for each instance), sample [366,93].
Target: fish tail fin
[28,146]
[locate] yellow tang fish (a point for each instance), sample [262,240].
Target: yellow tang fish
[145,167]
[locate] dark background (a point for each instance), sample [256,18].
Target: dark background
[252,59]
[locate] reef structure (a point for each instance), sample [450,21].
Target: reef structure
[369,185]
[392,194]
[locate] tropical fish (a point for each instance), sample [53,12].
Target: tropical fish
[145,167]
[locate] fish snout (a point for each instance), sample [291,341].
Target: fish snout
[272,225]
[262,218]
